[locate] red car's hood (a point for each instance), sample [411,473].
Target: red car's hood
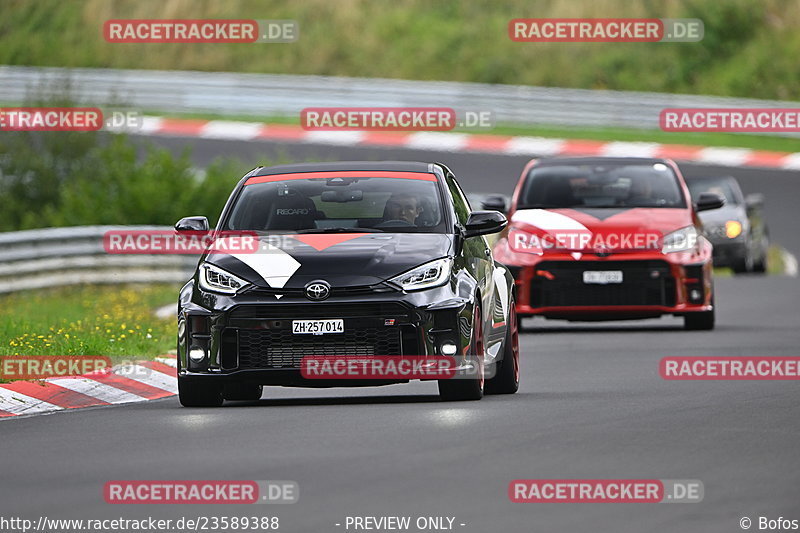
[590,226]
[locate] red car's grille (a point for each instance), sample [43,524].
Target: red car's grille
[644,283]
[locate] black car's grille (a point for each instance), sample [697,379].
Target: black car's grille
[282,349]
[265,338]
[644,283]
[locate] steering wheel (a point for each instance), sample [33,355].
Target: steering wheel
[395,222]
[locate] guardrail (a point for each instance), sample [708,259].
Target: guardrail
[54,257]
[272,95]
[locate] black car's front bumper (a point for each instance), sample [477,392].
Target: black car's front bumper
[729,252]
[249,339]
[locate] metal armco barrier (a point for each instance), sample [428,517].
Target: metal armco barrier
[272,95]
[54,257]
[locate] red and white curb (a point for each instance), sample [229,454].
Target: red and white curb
[463,142]
[127,383]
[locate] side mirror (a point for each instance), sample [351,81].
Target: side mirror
[484,222]
[192,224]
[754,201]
[708,201]
[494,203]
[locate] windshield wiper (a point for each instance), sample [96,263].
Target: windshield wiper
[341,230]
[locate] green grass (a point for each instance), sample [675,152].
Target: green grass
[116,321]
[755,142]
[750,47]
[775,260]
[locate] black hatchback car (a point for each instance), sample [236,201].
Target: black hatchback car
[738,230]
[356,259]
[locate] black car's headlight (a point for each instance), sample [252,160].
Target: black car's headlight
[431,274]
[733,228]
[730,230]
[215,279]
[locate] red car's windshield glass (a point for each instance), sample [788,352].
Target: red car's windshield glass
[600,186]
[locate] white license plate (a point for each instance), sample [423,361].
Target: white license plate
[602,277]
[318,327]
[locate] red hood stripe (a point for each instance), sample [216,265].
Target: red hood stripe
[423,176]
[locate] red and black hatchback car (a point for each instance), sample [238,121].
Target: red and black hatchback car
[609,239]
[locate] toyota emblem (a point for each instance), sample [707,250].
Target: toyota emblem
[318,290]
[602,251]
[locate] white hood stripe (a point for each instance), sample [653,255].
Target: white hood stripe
[548,220]
[271,263]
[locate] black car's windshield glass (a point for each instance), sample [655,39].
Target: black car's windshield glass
[331,204]
[717,186]
[638,185]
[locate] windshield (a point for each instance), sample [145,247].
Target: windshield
[721,187]
[599,186]
[284,203]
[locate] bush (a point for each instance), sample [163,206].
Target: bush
[71,179]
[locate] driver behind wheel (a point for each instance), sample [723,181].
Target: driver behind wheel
[403,206]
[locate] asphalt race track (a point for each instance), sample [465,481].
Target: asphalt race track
[591,405]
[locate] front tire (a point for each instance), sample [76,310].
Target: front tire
[463,387]
[702,321]
[506,378]
[760,266]
[743,265]
[199,394]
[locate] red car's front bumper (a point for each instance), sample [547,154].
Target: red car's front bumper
[653,284]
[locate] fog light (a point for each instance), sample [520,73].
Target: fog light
[694,295]
[448,348]
[197,354]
